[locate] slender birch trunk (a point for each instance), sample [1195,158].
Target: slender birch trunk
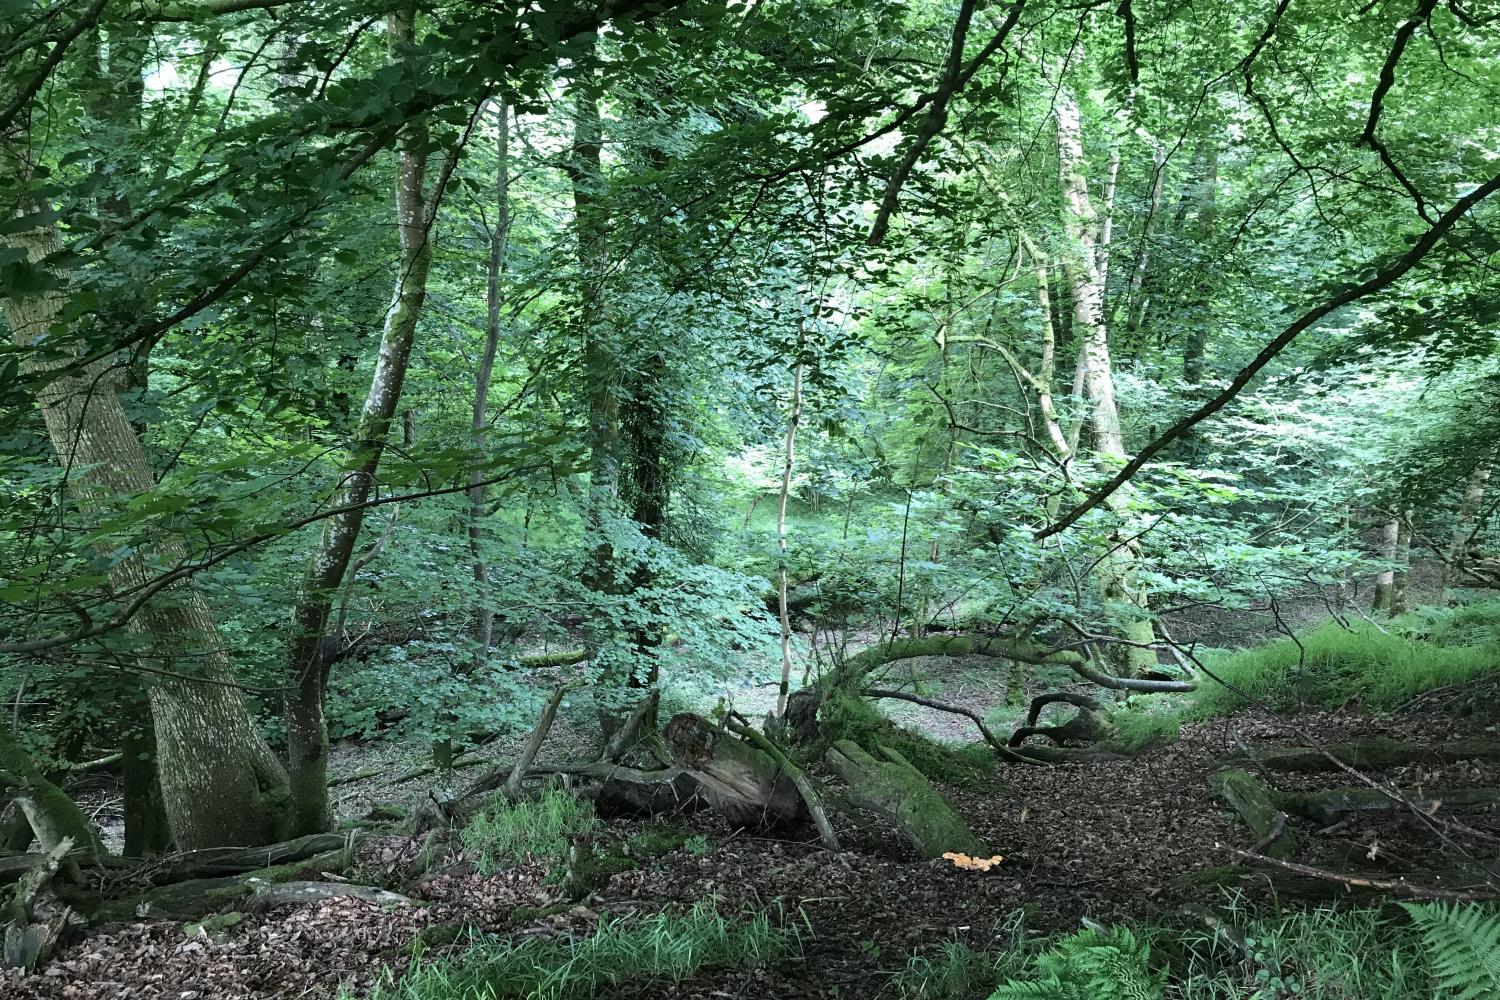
[311,650]
[1134,295]
[781,586]
[1385,581]
[1115,571]
[484,632]
[1403,567]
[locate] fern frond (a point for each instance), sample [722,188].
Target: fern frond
[1463,945]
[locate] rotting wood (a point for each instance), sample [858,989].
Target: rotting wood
[895,790]
[1256,804]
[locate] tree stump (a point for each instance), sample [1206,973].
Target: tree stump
[1256,805]
[895,790]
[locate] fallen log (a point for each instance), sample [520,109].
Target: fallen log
[213,862]
[301,893]
[632,792]
[1297,883]
[32,930]
[741,783]
[811,795]
[198,897]
[1328,806]
[1368,755]
[1256,804]
[896,791]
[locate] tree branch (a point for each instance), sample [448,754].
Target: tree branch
[1378,282]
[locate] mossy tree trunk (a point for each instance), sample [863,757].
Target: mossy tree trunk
[219,781]
[53,816]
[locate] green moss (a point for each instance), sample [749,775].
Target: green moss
[844,716]
[588,870]
[216,927]
[658,839]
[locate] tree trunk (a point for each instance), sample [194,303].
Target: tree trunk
[1463,527]
[1197,307]
[1403,568]
[1385,581]
[146,828]
[783,609]
[740,782]
[1116,570]
[484,632]
[219,781]
[311,650]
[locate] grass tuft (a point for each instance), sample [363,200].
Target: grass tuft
[1335,664]
[665,946]
[506,833]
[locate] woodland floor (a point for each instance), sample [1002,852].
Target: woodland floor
[1105,840]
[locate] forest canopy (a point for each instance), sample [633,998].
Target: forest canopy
[792,410]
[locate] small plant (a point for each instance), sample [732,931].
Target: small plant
[697,844]
[1093,964]
[1463,944]
[953,972]
[507,832]
[670,946]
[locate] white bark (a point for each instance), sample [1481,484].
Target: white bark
[1116,572]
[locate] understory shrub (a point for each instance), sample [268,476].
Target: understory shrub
[670,946]
[505,832]
[1474,624]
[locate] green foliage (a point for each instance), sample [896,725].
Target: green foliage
[670,946]
[1333,664]
[505,832]
[1475,624]
[1089,965]
[1327,953]
[1324,954]
[845,716]
[1463,944]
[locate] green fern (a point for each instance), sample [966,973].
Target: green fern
[1089,965]
[1463,943]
